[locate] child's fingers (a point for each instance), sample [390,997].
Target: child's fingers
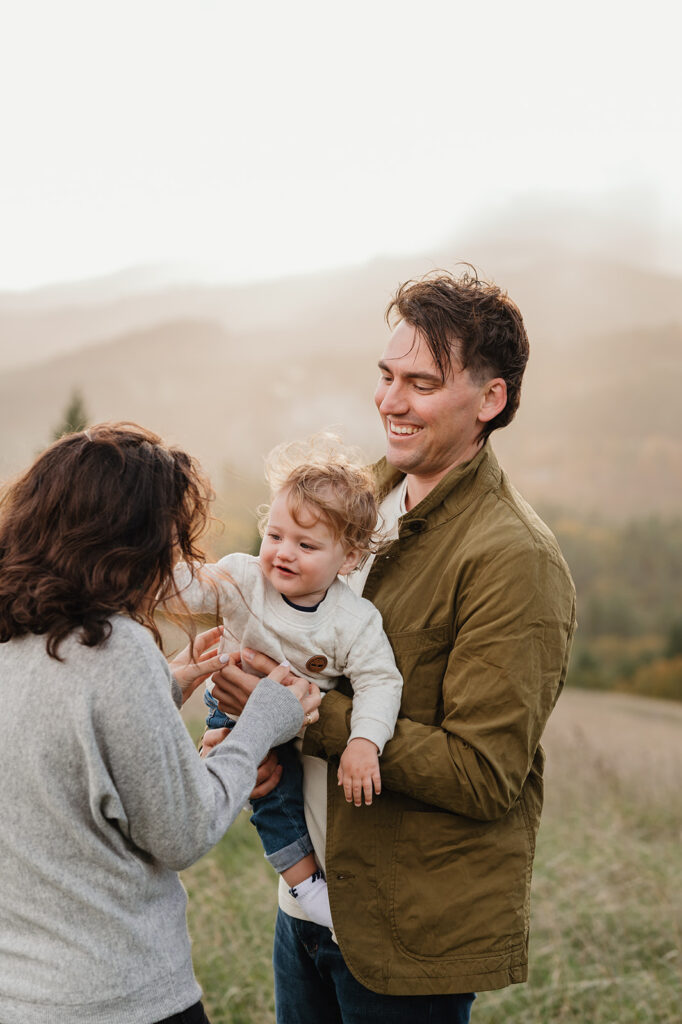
[367,788]
[376,779]
[348,788]
[357,788]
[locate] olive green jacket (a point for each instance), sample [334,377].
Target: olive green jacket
[430,885]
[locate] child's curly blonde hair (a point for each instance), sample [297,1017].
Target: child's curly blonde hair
[324,475]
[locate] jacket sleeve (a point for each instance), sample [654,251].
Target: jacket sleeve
[160,795]
[376,682]
[505,669]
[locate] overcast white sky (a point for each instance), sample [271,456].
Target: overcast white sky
[249,139]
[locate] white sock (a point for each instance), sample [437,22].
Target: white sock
[313,898]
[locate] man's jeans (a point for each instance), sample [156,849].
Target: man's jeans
[313,984]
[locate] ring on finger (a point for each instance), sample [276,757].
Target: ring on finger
[308,718]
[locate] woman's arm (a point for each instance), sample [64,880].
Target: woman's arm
[164,798]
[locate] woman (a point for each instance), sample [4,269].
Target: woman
[103,796]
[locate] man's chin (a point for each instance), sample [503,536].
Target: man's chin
[401,460]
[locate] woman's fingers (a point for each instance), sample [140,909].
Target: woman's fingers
[202,669]
[260,663]
[280,672]
[203,642]
[309,695]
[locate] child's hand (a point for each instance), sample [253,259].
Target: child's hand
[359,771]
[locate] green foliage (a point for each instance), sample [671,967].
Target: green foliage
[75,417]
[674,644]
[661,678]
[629,583]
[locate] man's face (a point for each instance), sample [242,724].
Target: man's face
[431,425]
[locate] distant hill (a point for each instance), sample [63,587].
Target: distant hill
[562,296]
[228,372]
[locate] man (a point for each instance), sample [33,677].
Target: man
[429,886]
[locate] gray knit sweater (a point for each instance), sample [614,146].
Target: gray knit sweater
[101,804]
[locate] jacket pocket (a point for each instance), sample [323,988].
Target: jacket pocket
[459,887]
[422,658]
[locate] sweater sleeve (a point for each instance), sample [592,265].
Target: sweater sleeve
[207,589]
[376,681]
[502,678]
[161,795]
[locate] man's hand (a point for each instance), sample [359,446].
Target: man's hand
[269,774]
[188,672]
[211,739]
[359,771]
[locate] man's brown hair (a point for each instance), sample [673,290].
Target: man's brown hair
[469,322]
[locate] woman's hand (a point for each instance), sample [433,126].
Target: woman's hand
[232,686]
[308,694]
[188,672]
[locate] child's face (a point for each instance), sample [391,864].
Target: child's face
[302,561]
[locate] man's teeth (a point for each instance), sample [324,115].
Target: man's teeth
[398,429]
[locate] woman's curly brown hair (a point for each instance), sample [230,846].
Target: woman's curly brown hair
[93,529]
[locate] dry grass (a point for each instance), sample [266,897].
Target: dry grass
[606,944]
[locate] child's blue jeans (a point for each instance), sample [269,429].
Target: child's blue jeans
[279,817]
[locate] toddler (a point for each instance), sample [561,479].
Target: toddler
[291,603]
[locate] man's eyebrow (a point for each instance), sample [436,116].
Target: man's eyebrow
[421,375]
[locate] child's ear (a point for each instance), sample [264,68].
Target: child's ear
[350,562]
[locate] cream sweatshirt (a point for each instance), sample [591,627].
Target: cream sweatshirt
[343,637]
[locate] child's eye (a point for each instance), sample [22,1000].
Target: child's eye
[273,536]
[308,547]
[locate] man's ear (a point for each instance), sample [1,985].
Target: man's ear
[350,562]
[493,400]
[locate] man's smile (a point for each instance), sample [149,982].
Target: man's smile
[403,428]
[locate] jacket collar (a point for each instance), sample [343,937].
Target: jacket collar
[451,495]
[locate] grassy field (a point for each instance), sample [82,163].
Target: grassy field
[606,925]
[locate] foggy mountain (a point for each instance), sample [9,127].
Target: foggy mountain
[230,371]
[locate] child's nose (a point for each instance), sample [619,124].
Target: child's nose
[286,551]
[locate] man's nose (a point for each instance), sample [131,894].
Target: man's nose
[393,400]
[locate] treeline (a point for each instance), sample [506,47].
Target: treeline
[629,583]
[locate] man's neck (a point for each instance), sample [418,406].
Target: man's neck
[418,485]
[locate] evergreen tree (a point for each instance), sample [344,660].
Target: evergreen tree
[75,417]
